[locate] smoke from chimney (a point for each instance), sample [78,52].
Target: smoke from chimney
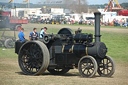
[77,6]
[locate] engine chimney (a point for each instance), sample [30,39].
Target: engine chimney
[97,26]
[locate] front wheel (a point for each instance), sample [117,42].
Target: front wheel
[106,67]
[87,66]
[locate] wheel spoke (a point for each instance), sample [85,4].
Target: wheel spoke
[92,69]
[37,69]
[102,70]
[108,61]
[101,66]
[88,72]
[109,66]
[107,71]
[84,70]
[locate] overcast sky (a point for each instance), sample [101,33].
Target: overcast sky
[88,1]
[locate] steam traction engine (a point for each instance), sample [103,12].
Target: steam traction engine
[61,52]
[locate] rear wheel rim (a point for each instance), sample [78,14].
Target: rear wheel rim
[31,59]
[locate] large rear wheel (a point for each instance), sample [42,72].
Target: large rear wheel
[33,58]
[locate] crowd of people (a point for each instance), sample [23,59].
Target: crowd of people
[122,22]
[33,35]
[115,22]
[61,20]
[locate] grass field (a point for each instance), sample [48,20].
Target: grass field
[117,44]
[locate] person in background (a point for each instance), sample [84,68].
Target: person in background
[34,35]
[21,35]
[43,32]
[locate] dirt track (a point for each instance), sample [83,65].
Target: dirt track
[11,75]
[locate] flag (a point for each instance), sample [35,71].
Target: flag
[27,1]
[10,1]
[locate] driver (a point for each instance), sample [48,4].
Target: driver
[43,32]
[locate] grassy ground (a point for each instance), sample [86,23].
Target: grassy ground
[117,27]
[10,73]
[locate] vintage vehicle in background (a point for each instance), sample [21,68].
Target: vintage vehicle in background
[8,39]
[8,23]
